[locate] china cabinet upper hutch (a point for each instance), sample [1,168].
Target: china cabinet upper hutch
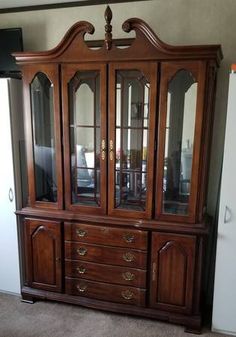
[118,141]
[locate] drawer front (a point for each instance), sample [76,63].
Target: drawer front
[106,291]
[106,273]
[106,235]
[107,255]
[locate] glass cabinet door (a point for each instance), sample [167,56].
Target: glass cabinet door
[43,139]
[132,93]
[84,111]
[181,111]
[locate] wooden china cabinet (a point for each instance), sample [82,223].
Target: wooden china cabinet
[118,141]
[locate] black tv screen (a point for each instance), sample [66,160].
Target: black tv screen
[10,42]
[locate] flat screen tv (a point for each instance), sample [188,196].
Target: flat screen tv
[10,41]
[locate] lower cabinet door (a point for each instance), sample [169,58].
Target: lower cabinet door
[172,272]
[43,254]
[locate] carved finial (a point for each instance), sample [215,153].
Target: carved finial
[108,28]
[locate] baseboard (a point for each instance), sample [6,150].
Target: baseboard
[9,293]
[233,333]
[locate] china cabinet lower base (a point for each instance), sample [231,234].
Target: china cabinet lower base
[192,323]
[116,267]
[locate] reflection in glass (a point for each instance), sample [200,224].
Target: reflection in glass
[41,91]
[180,125]
[84,105]
[132,120]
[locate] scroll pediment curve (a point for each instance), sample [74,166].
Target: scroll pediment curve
[79,29]
[143,30]
[146,46]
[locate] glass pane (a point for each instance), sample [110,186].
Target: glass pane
[85,146]
[85,98]
[41,91]
[84,102]
[180,125]
[132,114]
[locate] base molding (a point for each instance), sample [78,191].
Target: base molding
[191,322]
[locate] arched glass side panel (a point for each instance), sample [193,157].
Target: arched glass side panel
[179,142]
[84,110]
[132,133]
[41,92]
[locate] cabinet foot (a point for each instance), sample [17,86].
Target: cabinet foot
[27,299]
[197,330]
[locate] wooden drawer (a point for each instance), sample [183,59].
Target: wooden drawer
[106,273]
[106,291]
[120,237]
[107,255]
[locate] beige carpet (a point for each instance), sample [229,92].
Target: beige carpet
[49,319]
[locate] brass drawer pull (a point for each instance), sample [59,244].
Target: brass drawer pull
[81,233]
[127,294]
[81,270]
[82,251]
[82,288]
[128,276]
[129,238]
[128,257]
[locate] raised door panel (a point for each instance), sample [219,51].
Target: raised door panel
[43,135]
[173,260]
[43,254]
[132,118]
[180,135]
[85,141]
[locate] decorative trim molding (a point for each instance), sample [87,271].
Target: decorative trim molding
[62,5]
[146,46]
[108,28]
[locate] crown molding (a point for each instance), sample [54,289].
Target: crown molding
[62,5]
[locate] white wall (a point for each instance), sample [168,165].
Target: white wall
[175,21]
[9,256]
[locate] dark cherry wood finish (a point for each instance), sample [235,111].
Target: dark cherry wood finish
[149,70]
[172,273]
[109,236]
[101,291]
[68,72]
[136,262]
[106,273]
[105,254]
[29,73]
[198,69]
[43,253]
[108,28]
